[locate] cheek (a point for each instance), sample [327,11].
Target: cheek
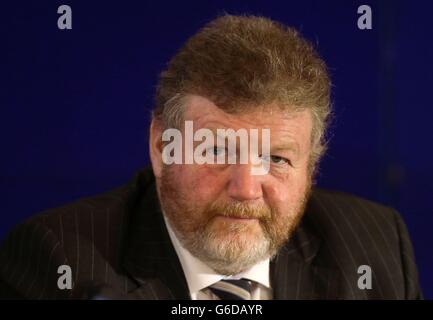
[202,183]
[285,194]
[277,197]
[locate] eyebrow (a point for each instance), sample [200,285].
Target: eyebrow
[284,146]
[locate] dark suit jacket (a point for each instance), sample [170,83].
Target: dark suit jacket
[119,239]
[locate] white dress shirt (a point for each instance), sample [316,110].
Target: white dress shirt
[200,276]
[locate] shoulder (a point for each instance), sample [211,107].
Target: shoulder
[342,211]
[89,214]
[86,234]
[358,232]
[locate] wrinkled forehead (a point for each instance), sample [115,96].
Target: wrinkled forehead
[202,110]
[287,130]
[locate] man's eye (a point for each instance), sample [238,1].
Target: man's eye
[216,151]
[279,160]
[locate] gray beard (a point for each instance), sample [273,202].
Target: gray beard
[224,256]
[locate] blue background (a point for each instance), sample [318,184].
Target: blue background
[75,104]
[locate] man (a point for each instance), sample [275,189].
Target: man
[199,229]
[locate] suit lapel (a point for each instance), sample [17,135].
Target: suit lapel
[150,256]
[298,272]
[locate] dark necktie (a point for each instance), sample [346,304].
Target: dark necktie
[232,289]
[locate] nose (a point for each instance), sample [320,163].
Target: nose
[242,185]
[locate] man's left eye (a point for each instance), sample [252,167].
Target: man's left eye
[276,159]
[279,160]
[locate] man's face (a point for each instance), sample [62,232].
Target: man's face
[224,215]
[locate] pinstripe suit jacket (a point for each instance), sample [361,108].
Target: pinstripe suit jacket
[119,238]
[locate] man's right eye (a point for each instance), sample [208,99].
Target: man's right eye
[216,151]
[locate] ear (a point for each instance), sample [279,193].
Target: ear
[155,147]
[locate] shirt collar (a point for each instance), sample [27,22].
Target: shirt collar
[199,275]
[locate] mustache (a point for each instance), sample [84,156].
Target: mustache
[240,210]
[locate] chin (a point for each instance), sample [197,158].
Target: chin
[233,253]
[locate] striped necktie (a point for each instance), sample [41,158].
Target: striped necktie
[232,289]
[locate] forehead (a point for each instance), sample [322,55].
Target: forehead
[205,114]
